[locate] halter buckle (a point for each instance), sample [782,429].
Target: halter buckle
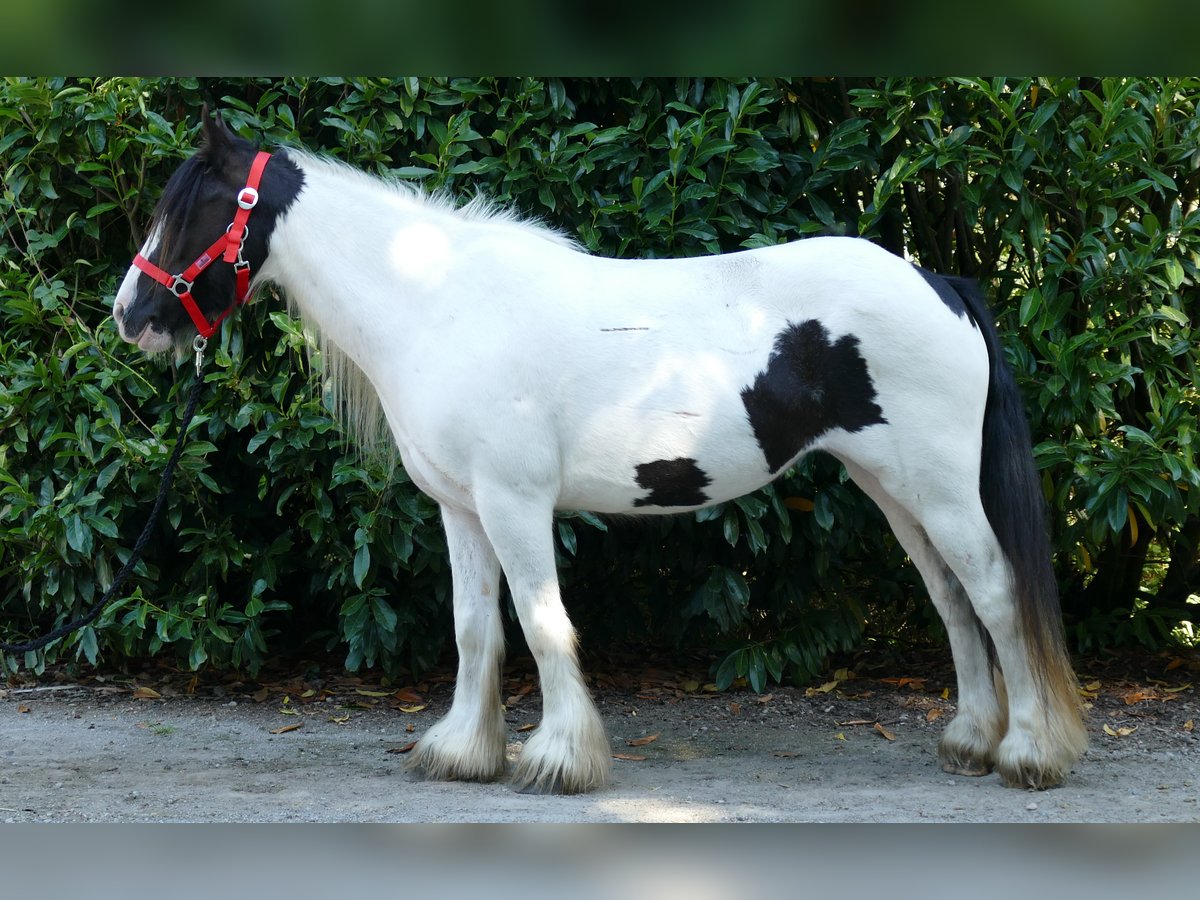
[247,198]
[240,261]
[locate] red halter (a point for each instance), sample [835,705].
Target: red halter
[228,246]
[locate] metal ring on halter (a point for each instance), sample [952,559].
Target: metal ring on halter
[179,287]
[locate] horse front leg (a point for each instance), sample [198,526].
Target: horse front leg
[569,752]
[468,743]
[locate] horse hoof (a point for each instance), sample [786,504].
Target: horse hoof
[970,769]
[433,762]
[549,786]
[1024,762]
[1031,777]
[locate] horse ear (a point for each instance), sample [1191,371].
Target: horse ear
[217,138]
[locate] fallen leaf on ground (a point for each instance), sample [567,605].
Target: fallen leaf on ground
[527,727]
[1138,696]
[857,722]
[372,693]
[785,754]
[340,720]
[887,734]
[1175,663]
[145,693]
[285,728]
[691,686]
[735,708]
[1123,731]
[22,708]
[843,675]
[632,757]
[403,749]
[516,696]
[411,709]
[309,693]
[643,741]
[823,689]
[915,684]
[1189,725]
[1176,690]
[765,698]
[934,713]
[946,693]
[408,695]
[260,695]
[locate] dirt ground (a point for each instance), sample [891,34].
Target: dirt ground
[322,746]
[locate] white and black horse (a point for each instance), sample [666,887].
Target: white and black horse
[520,375]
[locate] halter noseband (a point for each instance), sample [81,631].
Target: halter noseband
[228,246]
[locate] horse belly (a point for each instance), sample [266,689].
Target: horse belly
[661,460]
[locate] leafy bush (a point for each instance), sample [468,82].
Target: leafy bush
[1075,199]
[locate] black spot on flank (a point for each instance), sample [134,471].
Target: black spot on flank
[672,482]
[809,387]
[946,289]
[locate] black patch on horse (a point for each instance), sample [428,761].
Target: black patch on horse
[672,482]
[809,387]
[947,290]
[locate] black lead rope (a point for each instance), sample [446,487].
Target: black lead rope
[144,538]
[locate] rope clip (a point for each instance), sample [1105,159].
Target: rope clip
[199,344]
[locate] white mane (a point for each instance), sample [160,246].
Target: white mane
[479,208]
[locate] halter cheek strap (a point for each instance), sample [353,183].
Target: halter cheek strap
[228,247]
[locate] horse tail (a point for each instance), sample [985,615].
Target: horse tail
[1011,492]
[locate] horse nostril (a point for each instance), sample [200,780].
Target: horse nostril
[118,311]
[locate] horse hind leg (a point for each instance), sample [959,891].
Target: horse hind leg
[569,751]
[467,744]
[970,740]
[1045,734]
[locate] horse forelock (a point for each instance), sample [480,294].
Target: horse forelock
[176,205]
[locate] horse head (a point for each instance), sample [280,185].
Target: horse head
[185,279]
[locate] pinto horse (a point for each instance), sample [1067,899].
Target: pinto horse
[520,375]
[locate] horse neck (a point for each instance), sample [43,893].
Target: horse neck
[355,255]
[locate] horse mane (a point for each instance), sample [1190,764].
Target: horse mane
[354,399]
[479,208]
[351,395]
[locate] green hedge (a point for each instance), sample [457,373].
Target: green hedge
[1075,200]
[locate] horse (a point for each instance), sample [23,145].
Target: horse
[520,375]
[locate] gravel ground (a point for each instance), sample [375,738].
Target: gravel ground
[167,747]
